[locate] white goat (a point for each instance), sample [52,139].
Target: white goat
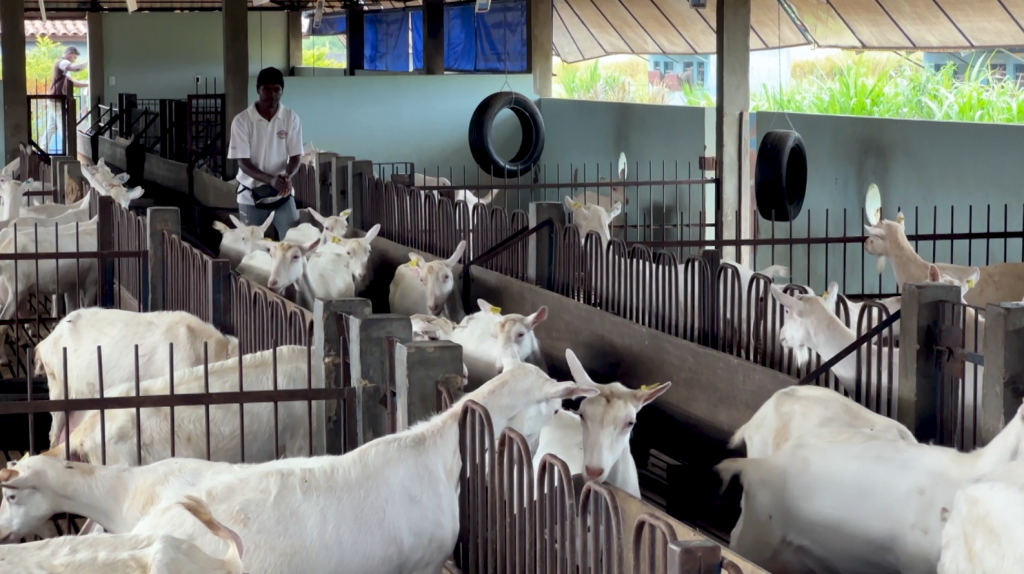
[422,180]
[334,226]
[430,328]
[115,497]
[127,553]
[595,441]
[357,250]
[593,217]
[77,278]
[190,422]
[486,334]
[256,266]
[996,284]
[241,240]
[616,193]
[982,531]
[414,473]
[856,506]
[25,223]
[807,410]
[116,332]
[424,287]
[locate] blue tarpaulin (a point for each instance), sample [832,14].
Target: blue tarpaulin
[386,41]
[478,42]
[329,26]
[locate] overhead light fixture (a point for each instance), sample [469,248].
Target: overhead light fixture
[319,14]
[133,5]
[482,6]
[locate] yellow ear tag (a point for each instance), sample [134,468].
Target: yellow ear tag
[335,239]
[495,310]
[900,218]
[646,387]
[346,213]
[824,294]
[970,283]
[576,205]
[414,262]
[23,457]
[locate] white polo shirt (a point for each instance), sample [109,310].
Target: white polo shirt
[267,144]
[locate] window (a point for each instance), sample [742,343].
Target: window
[998,71]
[669,66]
[938,67]
[657,65]
[699,78]
[1018,72]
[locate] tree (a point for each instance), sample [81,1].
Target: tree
[39,63]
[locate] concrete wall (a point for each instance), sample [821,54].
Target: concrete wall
[931,166]
[158,55]
[400,118]
[661,143]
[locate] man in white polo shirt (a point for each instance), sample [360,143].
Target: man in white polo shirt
[266,139]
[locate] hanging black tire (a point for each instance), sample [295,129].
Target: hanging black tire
[780,177]
[481,142]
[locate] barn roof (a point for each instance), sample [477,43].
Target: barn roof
[585,29]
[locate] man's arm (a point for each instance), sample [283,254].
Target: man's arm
[67,66]
[294,146]
[250,169]
[78,84]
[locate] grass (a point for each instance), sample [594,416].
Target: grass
[867,84]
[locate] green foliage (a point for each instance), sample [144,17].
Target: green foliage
[613,82]
[316,52]
[873,84]
[39,63]
[864,85]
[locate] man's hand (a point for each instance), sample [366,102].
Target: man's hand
[282,184]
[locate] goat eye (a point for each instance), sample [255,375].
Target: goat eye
[10,498]
[630,424]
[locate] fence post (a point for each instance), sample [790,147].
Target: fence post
[105,243]
[540,266]
[917,405]
[158,220]
[709,297]
[419,367]
[699,556]
[220,312]
[325,182]
[1003,381]
[70,170]
[370,362]
[355,189]
[328,361]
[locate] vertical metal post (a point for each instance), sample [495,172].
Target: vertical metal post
[1002,383]
[419,367]
[105,243]
[370,362]
[709,298]
[158,220]
[694,557]
[328,365]
[541,263]
[325,182]
[920,374]
[220,311]
[356,190]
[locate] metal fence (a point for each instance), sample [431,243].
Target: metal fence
[511,523]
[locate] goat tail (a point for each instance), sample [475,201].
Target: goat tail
[731,467]
[776,271]
[201,511]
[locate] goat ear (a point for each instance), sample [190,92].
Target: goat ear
[933,273]
[579,374]
[833,287]
[874,231]
[344,214]
[830,297]
[307,249]
[646,395]
[121,178]
[569,201]
[616,210]
[485,307]
[973,278]
[563,391]
[371,234]
[316,216]
[266,224]
[538,317]
[787,301]
[219,226]
[622,165]
[135,193]
[235,221]
[459,249]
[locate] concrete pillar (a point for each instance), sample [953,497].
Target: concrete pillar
[158,220]
[540,23]
[433,37]
[97,71]
[235,20]
[354,47]
[540,266]
[294,41]
[12,45]
[419,367]
[1003,378]
[732,109]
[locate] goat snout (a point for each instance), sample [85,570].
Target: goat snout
[592,473]
[272,284]
[435,309]
[8,538]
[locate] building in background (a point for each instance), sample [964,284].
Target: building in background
[1002,63]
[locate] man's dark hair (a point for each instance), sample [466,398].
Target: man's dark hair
[71,50]
[269,76]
